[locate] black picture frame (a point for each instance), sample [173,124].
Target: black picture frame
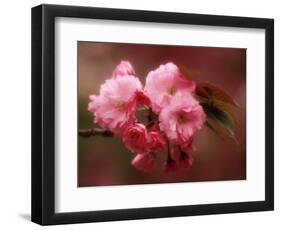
[43,110]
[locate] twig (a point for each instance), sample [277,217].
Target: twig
[94,132]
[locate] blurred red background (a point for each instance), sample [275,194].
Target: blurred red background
[106,161]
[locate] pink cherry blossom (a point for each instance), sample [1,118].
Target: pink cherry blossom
[135,138]
[142,98]
[171,165]
[123,69]
[183,155]
[166,105]
[163,83]
[186,161]
[182,117]
[115,106]
[188,147]
[175,152]
[180,157]
[157,142]
[144,162]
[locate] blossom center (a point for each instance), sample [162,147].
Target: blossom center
[172,90]
[184,117]
[181,118]
[120,106]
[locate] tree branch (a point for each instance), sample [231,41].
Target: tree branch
[94,132]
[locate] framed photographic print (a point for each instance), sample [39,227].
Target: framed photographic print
[142,114]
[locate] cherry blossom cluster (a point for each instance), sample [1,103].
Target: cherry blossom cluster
[173,115]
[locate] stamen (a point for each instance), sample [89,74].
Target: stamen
[172,90]
[181,118]
[120,106]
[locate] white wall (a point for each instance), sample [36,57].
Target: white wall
[15,113]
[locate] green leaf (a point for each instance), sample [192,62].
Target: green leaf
[144,109]
[202,99]
[214,93]
[189,74]
[212,127]
[217,117]
[227,108]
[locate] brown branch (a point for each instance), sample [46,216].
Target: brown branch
[94,132]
